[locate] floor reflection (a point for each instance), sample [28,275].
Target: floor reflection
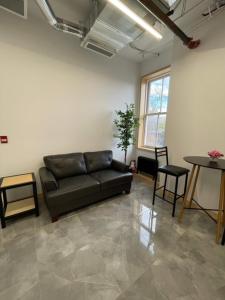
[145,224]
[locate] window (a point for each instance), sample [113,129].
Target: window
[153,109]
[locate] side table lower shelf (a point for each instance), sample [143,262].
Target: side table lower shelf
[19,207]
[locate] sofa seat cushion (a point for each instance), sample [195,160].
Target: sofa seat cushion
[110,178]
[66,165]
[75,187]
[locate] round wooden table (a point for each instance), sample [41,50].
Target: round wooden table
[205,162]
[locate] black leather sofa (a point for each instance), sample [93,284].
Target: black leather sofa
[71,181]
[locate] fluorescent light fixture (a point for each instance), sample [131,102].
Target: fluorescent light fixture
[127,11]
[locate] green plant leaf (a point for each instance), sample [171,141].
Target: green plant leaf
[126,124]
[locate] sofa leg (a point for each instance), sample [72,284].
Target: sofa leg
[55,219]
[127,192]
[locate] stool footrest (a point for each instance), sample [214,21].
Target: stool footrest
[171,202]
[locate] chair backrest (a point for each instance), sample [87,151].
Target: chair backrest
[161,151]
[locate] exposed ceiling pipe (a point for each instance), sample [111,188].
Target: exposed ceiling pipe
[58,23]
[154,9]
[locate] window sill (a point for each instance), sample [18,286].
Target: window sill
[146,149]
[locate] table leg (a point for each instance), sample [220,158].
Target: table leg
[223,238]
[194,186]
[224,202]
[221,207]
[2,212]
[4,199]
[186,194]
[36,199]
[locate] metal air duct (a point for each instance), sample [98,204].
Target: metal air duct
[59,23]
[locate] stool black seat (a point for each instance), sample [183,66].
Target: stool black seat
[171,170]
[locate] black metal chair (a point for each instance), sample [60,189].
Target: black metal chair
[171,170]
[223,238]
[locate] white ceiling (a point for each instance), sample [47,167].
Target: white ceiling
[186,17]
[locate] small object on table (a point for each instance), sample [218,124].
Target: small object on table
[20,206]
[215,154]
[198,162]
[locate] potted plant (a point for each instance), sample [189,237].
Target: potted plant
[126,124]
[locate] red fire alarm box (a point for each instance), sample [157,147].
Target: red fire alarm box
[3,139]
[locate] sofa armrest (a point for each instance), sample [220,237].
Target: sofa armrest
[48,180]
[119,166]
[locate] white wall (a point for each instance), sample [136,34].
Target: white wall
[197,103]
[154,63]
[56,97]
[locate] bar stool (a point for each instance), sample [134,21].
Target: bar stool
[170,170]
[223,239]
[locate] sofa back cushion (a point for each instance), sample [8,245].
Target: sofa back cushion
[99,160]
[66,165]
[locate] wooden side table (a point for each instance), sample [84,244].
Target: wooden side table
[19,206]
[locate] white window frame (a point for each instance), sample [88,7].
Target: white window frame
[144,104]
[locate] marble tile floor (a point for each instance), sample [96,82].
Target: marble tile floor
[119,249]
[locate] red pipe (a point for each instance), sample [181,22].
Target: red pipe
[155,10]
